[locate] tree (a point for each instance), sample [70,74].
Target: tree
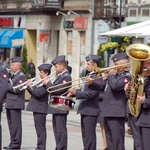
[25,61]
[101,53]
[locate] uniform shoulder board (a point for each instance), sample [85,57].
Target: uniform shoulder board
[21,74]
[127,74]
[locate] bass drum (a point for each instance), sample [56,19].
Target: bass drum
[62,103]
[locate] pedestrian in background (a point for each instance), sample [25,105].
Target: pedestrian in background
[38,104]
[31,68]
[15,102]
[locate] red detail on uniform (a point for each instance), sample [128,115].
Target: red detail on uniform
[4,75]
[20,81]
[64,81]
[125,80]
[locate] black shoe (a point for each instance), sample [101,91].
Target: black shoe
[11,148]
[7,147]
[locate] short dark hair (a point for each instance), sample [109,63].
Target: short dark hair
[47,71]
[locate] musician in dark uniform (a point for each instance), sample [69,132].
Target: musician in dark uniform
[38,104]
[88,107]
[3,90]
[144,117]
[59,117]
[15,102]
[114,103]
[135,131]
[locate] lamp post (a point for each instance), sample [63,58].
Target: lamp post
[120,13]
[92,28]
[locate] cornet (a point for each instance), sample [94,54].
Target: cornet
[22,86]
[39,82]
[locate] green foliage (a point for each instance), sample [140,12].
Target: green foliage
[101,53]
[25,61]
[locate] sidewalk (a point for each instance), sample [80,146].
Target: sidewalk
[74,133]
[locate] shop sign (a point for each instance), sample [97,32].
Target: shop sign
[6,22]
[48,3]
[54,3]
[80,23]
[69,47]
[17,42]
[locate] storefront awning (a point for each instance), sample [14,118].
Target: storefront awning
[6,40]
[138,30]
[2,32]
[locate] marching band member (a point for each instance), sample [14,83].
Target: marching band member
[135,130]
[88,107]
[144,116]
[114,103]
[59,117]
[15,102]
[3,90]
[38,104]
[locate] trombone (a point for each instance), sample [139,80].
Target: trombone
[97,71]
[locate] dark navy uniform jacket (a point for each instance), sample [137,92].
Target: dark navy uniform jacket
[89,104]
[39,99]
[144,117]
[114,98]
[16,99]
[62,78]
[3,84]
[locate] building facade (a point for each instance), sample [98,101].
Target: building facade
[54,27]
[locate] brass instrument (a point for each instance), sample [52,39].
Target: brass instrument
[39,82]
[139,53]
[98,71]
[22,85]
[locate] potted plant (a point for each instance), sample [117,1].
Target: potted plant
[109,47]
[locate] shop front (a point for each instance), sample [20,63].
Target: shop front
[11,35]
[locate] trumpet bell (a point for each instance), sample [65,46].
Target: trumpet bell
[138,51]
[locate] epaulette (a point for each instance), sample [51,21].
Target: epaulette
[21,74]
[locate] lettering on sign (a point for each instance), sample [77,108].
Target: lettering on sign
[17,42]
[80,23]
[6,22]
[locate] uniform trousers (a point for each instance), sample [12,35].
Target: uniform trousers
[40,127]
[145,132]
[15,127]
[88,129]
[115,132]
[60,131]
[137,139]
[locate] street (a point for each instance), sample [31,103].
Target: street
[74,133]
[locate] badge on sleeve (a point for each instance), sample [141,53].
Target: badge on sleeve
[20,81]
[4,75]
[64,81]
[125,80]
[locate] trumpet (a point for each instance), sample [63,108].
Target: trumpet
[21,86]
[39,82]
